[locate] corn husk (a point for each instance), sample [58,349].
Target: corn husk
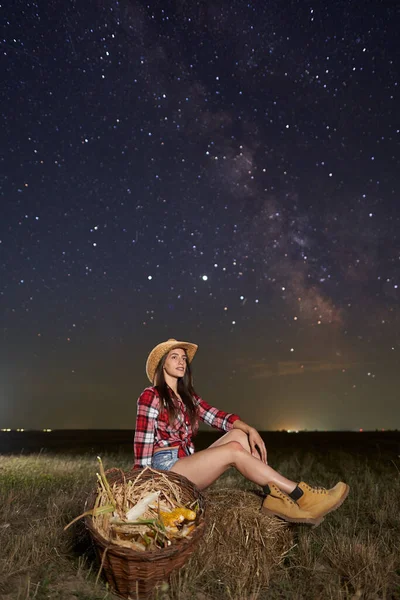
[137,511]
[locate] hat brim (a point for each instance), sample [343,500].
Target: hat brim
[161,349]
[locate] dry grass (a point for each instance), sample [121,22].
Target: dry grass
[240,549]
[245,555]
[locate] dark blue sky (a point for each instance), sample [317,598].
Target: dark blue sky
[221,172]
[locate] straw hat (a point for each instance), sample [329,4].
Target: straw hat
[158,352]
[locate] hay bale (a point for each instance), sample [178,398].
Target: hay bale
[240,549]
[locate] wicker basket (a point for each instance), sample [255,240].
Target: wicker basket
[133,574]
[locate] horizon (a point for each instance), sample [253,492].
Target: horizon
[203,430]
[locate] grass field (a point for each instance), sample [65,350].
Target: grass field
[354,553]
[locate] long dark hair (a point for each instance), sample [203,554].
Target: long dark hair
[185,390]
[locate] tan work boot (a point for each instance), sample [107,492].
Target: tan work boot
[279,504]
[318,502]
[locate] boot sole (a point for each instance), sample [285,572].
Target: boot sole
[338,503]
[312,521]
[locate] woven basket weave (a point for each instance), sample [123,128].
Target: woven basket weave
[133,574]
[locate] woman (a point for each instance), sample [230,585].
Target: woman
[167,418]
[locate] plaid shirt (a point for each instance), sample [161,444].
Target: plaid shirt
[153,429]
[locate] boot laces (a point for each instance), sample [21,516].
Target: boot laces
[317,489]
[286,497]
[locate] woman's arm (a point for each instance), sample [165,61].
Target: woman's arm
[227,421]
[147,414]
[215,417]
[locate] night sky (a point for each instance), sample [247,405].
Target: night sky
[223,172]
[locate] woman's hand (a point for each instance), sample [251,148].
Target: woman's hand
[257,446]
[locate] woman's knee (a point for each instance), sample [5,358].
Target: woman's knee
[234,448]
[237,435]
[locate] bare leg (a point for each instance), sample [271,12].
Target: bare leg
[234,435]
[204,467]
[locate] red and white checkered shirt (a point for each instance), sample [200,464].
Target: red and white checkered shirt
[153,429]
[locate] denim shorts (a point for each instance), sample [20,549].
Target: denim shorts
[165,459]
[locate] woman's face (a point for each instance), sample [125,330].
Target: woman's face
[175,363]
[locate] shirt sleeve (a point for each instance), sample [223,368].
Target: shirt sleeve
[148,406]
[214,417]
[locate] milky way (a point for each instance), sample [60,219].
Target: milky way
[222,172]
